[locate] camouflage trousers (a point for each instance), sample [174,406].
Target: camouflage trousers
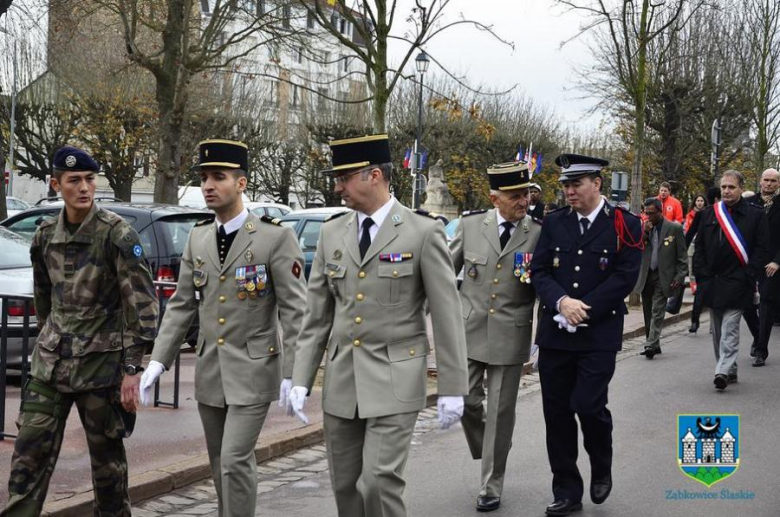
[41,426]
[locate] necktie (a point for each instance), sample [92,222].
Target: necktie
[654,254]
[505,235]
[585,223]
[222,233]
[365,238]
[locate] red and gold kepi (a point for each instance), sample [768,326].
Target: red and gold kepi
[226,154]
[509,176]
[354,153]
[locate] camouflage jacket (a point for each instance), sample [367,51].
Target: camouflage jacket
[95,301]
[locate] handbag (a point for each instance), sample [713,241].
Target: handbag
[674,302]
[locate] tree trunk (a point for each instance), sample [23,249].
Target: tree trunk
[3,207]
[123,187]
[640,102]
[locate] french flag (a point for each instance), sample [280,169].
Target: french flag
[407,158]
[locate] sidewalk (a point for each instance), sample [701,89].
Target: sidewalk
[167,450]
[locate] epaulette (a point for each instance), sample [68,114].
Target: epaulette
[420,211]
[108,217]
[474,212]
[48,222]
[271,220]
[536,220]
[624,210]
[336,216]
[205,221]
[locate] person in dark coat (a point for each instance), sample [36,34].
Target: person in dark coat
[585,264]
[536,207]
[729,260]
[769,309]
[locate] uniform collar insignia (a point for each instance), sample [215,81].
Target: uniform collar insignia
[337,255]
[249,255]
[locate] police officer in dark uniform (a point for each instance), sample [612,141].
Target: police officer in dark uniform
[585,264]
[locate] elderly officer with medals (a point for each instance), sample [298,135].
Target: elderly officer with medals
[585,264]
[240,274]
[373,271]
[495,247]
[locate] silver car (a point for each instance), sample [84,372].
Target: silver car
[16,290]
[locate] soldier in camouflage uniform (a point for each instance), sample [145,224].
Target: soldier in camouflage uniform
[97,311]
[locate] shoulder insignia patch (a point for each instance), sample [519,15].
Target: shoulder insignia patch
[420,211]
[336,216]
[271,220]
[205,221]
[474,212]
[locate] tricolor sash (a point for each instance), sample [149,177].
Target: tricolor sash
[731,232]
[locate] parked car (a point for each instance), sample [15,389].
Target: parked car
[163,230]
[16,279]
[14,205]
[260,208]
[306,225]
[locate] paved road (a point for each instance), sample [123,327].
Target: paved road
[646,397]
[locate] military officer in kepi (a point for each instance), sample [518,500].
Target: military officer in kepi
[495,248]
[373,271]
[240,274]
[585,264]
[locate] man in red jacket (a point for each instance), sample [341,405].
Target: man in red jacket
[672,208]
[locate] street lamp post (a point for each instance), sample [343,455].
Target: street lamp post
[12,136]
[421,62]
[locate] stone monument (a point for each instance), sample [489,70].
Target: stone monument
[437,194]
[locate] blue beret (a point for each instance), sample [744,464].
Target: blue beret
[70,158]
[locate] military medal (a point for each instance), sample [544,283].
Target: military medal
[519,269]
[242,295]
[556,261]
[252,295]
[603,263]
[249,255]
[261,280]
[395,257]
[472,272]
[337,255]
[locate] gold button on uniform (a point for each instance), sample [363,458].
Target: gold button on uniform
[362,274]
[498,266]
[220,341]
[579,252]
[576,268]
[271,349]
[222,278]
[395,273]
[492,311]
[493,296]
[495,280]
[360,297]
[358,320]
[221,321]
[411,351]
[332,274]
[356,342]
[223,299]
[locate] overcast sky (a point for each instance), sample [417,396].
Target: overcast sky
[538,64]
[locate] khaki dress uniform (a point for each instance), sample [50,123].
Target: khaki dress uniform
[368,314]
[240,359]
[497,314]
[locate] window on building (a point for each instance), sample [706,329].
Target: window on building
[322,98]
[345,64]
[286,15]
[309,21]
[299,55]
[261,7]
[272,94]
[204,6]
[326,58]
[343,25]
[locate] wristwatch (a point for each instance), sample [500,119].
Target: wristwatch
[131,369]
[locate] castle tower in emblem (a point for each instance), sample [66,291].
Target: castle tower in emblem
[689,447]
[727,447]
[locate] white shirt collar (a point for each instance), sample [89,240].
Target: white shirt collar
[592,216]
[500,220]
[235,223]
[378,217]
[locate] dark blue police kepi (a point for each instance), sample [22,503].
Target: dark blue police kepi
[69,158]
[575,166]
[509,176]
[354,153]
[224,154]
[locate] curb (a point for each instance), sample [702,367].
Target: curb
[158,482]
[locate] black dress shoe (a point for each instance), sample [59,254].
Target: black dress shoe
[649,352]
[600,489]
[488,503]
[721,381]
[733,379]
[759,361]
[563,507]
[694,327]
[752,351]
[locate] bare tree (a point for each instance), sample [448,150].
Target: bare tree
[623,31]
[374,22]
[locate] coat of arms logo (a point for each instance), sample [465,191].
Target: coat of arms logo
[708,447]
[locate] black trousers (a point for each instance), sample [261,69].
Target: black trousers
[576,383]
[767,315]
[752,321]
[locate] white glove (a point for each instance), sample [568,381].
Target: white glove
[535,355]
[284,395]
[297,399]
[450,410]
[153,371]
[563,323]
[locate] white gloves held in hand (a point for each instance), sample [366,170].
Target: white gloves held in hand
[450,410]
[284,395]
[153,371]
[563,323]
[297,398]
